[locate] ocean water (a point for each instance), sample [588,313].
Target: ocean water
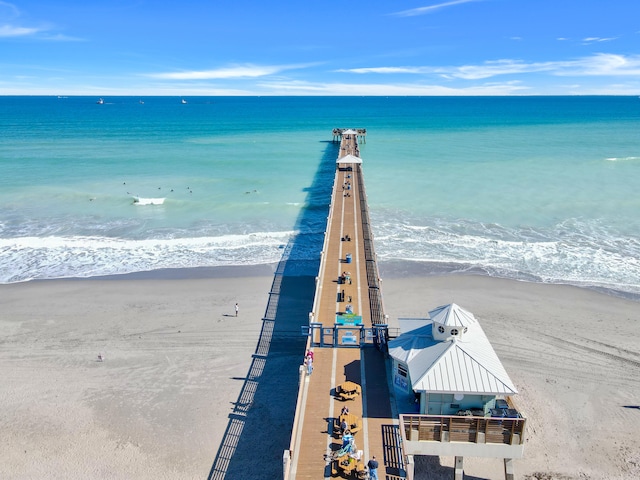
[537,188]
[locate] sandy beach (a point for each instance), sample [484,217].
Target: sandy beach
[575,359]
[175,369]
[189,391]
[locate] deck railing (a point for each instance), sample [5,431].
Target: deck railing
[454,428]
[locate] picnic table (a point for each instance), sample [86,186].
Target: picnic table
[353,421]
[348,390]
[352,463]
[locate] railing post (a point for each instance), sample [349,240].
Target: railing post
[410,467]
[458,473]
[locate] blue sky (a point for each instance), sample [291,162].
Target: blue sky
[353,47]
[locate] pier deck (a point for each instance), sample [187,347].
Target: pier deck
[334,363]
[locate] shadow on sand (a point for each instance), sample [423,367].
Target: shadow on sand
[259,427]
[430,468]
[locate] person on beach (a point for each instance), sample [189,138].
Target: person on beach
[237,309]
[373,468]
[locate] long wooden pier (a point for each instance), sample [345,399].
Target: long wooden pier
[347,334]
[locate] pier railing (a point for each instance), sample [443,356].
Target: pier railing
[376,303]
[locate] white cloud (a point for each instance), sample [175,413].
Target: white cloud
[419,70]
[7,31]
[239,71]
[494,68]
[598,39]
[430,9]
[597,65]
[378,89]
[10,14]
[13,10]
[590,40]
[601,64]
[466,72]
[13,31]
[59,37]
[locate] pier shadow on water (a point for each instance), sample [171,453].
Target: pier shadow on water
[259,428]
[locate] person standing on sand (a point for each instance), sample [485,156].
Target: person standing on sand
[237,309]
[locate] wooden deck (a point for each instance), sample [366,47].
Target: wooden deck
[318,407]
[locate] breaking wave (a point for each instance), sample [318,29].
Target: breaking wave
[29,258]
[571,252]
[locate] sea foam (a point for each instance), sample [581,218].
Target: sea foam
[28,258]
[584,254]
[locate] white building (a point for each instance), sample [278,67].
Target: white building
[464,391]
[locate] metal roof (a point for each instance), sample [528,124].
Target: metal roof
[452,315]
[467,365]
[349,159]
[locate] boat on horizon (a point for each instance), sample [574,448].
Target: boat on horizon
[100,101]
[183,101]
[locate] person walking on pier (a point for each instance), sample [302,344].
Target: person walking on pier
[373,468]
[309,362]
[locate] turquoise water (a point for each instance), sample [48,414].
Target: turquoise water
[539,188]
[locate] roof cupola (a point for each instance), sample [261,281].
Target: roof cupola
[451,322]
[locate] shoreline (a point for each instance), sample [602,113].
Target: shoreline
[194,273]
[393,269]
[407,268]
